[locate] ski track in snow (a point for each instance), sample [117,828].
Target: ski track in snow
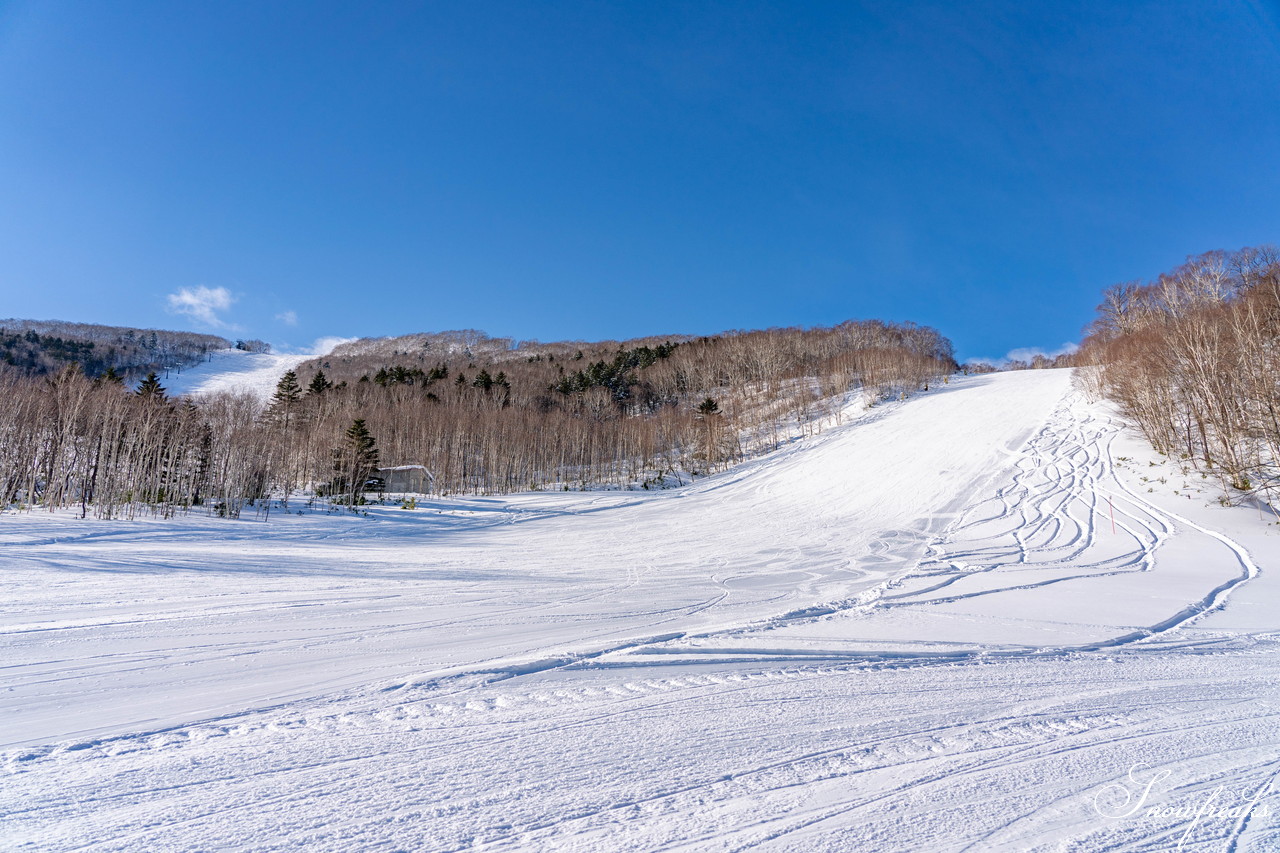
[872,640]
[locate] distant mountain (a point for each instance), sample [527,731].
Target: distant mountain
[40,347]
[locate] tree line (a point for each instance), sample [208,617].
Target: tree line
[1193,358]
[45,347]
[483,415]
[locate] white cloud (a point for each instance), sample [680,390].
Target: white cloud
[289,318]
[202,304]
[324,346]
[1026,354]
[321,346]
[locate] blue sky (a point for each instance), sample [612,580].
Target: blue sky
[606,170]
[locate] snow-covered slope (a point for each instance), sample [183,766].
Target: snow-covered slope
[916,631]
[237,371]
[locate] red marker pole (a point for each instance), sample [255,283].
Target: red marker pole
[1113,515]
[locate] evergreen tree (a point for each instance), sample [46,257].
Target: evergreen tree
[708,411]
[355,460]
[501,381]
[319,384]
[288,393]
[150,389]
[110,377]
[204,464]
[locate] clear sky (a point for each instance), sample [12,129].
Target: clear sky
[607,169]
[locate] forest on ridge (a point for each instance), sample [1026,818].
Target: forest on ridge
[482,415]
[1192,358]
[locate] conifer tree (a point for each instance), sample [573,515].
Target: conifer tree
[150,388]
[319,384]
[709,411]
[501,381]
[287,389]
[288,394]
[355,460]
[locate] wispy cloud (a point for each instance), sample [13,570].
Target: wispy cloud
[324,346]
[202,304]
[1028,353]
[321,346]
[289,318]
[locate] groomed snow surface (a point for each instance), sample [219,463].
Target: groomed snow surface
[975,620]
[239,372]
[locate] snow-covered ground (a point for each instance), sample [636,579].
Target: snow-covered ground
[239,371]
[917,631]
